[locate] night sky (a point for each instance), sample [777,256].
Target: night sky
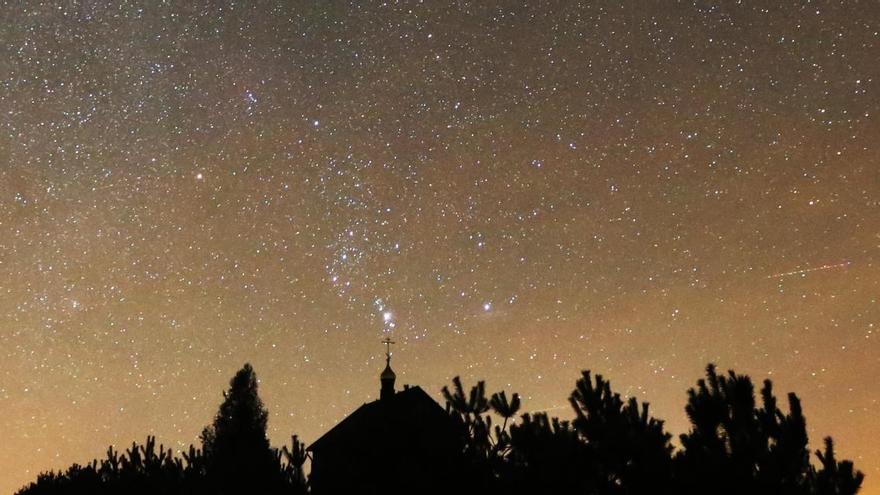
[511,193]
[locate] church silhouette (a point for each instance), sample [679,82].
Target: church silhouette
[404,442]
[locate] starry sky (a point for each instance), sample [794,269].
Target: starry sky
[512,193]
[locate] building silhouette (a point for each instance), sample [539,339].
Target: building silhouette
[404,442]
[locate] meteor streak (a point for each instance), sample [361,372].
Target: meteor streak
[808,270]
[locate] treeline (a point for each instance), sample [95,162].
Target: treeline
[615,447]
[235,458]
[612,446]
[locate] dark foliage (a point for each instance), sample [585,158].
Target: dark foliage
[235,458]
[547,456]
[629,451]
[613,446]
[237,452]
[139,470]
[736,447]
[834,477]
[481,451]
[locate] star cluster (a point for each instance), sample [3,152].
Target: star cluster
[511,193]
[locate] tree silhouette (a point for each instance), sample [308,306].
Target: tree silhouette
[239,459]
[734,447]
[612,447]
[629,449]
[484,449]
[835,478]
[547,456]
[294,472]
[503,408]
[138,470]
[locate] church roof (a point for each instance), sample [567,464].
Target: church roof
[410,408]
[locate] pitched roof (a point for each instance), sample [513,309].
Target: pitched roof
[407,408]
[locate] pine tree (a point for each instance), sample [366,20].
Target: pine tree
[629,449]
[735,447]
[835,477]
[484,448]
[239,459]
[548,456]
[294,472]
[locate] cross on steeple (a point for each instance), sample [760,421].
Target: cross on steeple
[387,377]
[388,343]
